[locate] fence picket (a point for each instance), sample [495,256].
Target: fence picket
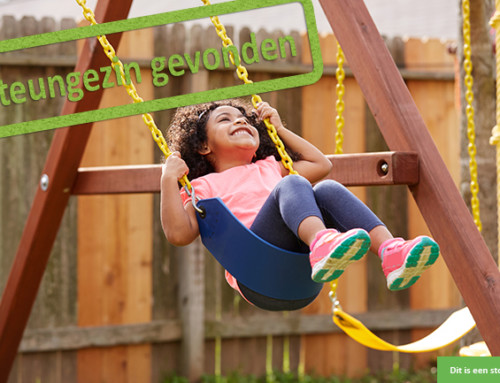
[146,286]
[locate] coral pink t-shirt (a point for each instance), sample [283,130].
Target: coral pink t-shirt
[243,189]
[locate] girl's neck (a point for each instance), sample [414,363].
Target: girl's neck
[221,166]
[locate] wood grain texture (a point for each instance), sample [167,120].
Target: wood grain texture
[49,206]
[438,199]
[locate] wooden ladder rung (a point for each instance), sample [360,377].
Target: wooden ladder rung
[364,169]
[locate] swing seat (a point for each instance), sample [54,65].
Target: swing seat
[257,264]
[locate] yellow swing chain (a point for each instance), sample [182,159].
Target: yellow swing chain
[480,348]
[242,74]
[452,329]
[339,143]
[495,134]
[469,98]
[455,326]
[340,105]
[131,89]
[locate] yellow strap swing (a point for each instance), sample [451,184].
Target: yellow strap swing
[480,348]
[451,330]
[459,323]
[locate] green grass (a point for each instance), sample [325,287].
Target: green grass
[397,376]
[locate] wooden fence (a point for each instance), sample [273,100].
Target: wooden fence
[118,303]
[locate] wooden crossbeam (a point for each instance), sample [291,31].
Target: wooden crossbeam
[50,202]
[464,250]
[117,180]
[73,338]
[372,169]
[383,168]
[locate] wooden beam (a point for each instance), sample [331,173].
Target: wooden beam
[78,338]
[371,169]
[171,330]
[436,195]
[50,201]
[117,180]
[383,168]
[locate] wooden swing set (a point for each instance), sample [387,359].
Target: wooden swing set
[414,160]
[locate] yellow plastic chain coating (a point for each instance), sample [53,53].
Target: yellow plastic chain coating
[242,74]
[333,294]
[131,89]
[495,134]
[469,98]
[339,142]
[340,105]
[451,330]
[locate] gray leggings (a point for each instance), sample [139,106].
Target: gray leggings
[292,200]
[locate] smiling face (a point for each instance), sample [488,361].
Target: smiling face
[231,140]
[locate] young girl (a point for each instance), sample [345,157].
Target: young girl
[224,149]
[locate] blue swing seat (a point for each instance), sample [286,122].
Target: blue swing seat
[257,264]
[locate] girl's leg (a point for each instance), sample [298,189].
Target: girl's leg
[270,225]
[291,202]
[379,235]
[343,211]
[402,261]
[291,219]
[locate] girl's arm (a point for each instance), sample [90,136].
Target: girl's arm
[313,165]
[179,223]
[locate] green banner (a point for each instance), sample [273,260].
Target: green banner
[456,369]
[75,85]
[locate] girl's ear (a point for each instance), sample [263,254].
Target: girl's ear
[205,150]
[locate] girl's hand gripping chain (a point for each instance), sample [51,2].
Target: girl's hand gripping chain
[178,221]
[264,110]
[174,167]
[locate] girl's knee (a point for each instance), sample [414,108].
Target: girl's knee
[293,180]
[329,188]
[294,184]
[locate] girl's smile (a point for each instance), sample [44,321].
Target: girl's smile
[242,130]
[229,120]
[231,139]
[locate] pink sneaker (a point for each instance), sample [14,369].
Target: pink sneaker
[403,262]
[332,252]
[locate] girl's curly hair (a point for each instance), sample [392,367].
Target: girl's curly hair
[187,134]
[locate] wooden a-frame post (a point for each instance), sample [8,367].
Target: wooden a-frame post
[49,205]
[464,250]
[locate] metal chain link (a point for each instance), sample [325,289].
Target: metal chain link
[241,71]
[495,134]
[242,74]
[131,89]
[340,105]
[339,145]
[469,98]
